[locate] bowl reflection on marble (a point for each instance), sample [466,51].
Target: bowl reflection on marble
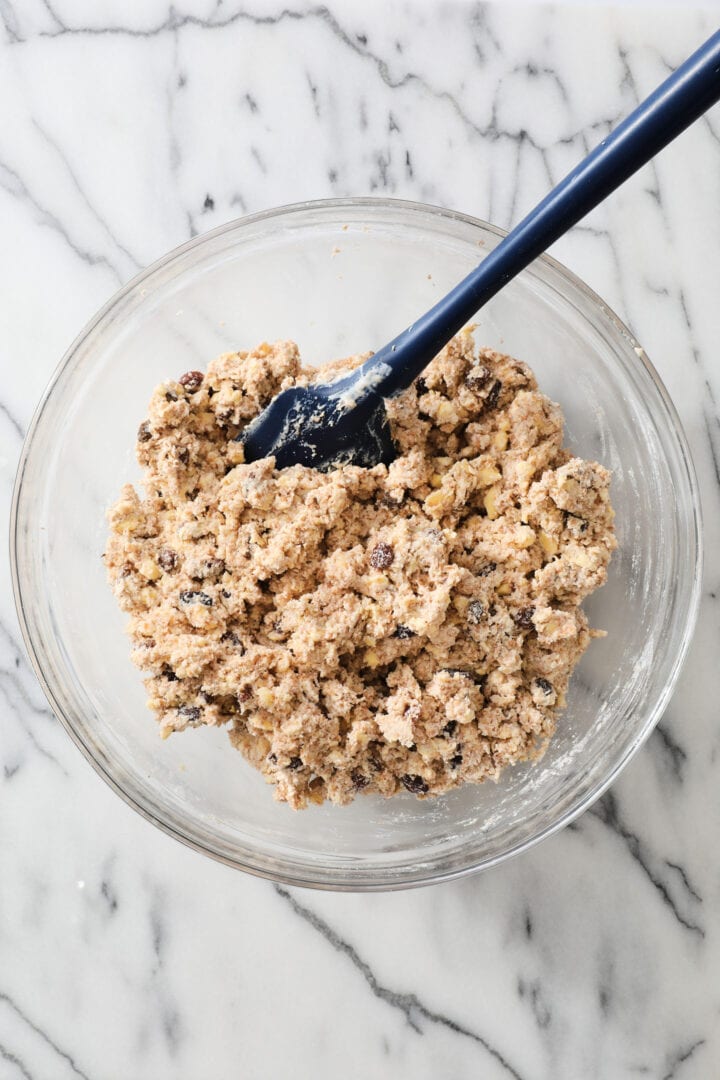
[340,277]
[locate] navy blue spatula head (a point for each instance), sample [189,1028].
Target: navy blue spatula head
[322,427]
[328,425]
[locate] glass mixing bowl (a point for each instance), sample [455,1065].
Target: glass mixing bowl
[341,277]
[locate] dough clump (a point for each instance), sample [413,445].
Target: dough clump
[410,627]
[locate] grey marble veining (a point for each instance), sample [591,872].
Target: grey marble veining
[125,130]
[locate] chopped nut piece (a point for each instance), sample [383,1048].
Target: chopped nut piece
[487,475]
[490,503]
[150,570]
[446,413]
[236,452]
[547,543]
[524,536]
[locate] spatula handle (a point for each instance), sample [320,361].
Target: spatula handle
[680,100]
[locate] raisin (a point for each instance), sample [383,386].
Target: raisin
[420,386]
[170,395]
[224,414]
[450,728]
[226,594]
[381,556]
[192,494]
[403,632]
[191,380]
[169,674]
[374,758]
[545,686]
[184,456]
[475,612]
[295,763]
[456,761]
[189,712]
[487,569]
[390,501]
[359,780]
[477,377]
[413,748]
[524,618]
[272,758]
[127,569]
[457,671]
[231,638]
[192,596]
[493,395]
[167,559]
[144,433]
[414,784]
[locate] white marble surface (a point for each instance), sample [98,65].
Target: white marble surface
[125,128]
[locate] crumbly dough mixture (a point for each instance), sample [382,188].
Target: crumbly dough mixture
[410,627]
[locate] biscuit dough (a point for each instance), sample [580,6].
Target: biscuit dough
[410,627]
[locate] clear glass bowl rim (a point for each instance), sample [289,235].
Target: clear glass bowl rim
[314,879]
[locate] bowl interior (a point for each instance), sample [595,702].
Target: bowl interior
[341,279]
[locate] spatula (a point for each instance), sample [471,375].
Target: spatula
[326,425]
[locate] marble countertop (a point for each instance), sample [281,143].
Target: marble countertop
[127,128]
